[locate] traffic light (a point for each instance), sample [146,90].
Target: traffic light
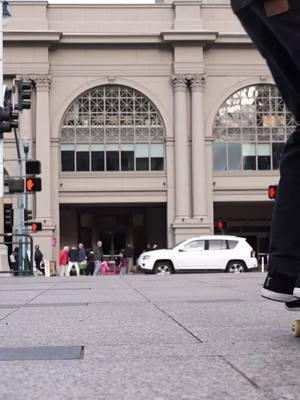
[221,225]
[33,184]
[33,167]
[27,215]
[272,191]
[24,88]
[8,216]
[9,119]
[34,226]
[16,185]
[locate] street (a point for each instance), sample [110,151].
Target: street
[195,336]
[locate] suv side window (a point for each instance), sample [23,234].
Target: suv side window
[217,244]
[232,243]
[195,245]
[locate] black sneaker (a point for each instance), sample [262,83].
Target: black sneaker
[293,305]
[279,287]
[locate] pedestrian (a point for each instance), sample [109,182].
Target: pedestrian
[90,258]
[63,261]
[129,258]
[14,260]
[105,266]
[98,254]
[274,27]
[73,261]
[122,264]
[38,258]
[82,257]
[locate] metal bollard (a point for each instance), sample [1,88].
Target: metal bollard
[262,264]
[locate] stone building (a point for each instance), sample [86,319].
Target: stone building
[151,122]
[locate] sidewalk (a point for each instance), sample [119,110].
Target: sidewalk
[189,337]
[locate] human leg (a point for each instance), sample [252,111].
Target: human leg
[76,265]
[278,40]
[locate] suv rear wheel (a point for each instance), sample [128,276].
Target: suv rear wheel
[163,268]
[236,267]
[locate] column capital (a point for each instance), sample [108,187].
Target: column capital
[179,82]
[197,82]
[42,82]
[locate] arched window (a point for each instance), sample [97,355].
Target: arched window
[112,128]
[250,130]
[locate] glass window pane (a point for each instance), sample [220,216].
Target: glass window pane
[157,164]
[248,149]
[127,160]
[219,156]
[67,161]
[142,164]
[157,150]
[249,163]
[264,162]
[263,150]
[82,161]
[234,156]
[112,161]
[277,149]
[232,243]
[195,244]
[142,150]
[217,245]
[97,160]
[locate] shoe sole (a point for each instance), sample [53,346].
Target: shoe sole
[280,297]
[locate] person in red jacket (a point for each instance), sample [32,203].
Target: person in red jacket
[63,260]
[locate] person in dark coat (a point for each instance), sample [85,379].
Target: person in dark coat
[274,27]
[38,258]
[73,261]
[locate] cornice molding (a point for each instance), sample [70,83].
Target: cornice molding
[109,38]
[189,36]
[32,36]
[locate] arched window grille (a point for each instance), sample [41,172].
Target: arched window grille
[250,130]
[112,128]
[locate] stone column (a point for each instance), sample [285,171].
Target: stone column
[199,169]
[43,154]
[182,195]
[43,204]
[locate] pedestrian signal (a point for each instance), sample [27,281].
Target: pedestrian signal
[33,167]
[34,226]
[221,225]
[272,192]
[33,184]
[8,216]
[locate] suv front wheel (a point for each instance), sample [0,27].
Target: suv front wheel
[163,268]
[236,267]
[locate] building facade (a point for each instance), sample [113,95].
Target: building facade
[151,122]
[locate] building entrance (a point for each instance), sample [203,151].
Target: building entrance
[115,226]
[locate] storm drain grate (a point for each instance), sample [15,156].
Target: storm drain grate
[38,305]
[48,353]
[216,301]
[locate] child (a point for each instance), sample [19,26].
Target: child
[104,267]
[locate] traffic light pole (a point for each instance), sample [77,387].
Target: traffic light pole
[4,267]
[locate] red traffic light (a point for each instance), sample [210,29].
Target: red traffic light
[272,192]
[33,184]
[221,225]
[34,226]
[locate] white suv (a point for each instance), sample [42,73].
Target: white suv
[227,253]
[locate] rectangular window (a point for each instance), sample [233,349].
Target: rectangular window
[219,156]
[127,157]
[112,157]
[249,156]
[217,245]
[157,157]
[234,156]
[277,149]
[142,157]
[264,156]
[82,157]
[67,158]
[97,157]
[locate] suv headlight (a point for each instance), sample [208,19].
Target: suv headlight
[146,257]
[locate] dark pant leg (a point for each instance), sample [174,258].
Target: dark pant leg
[278,40]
